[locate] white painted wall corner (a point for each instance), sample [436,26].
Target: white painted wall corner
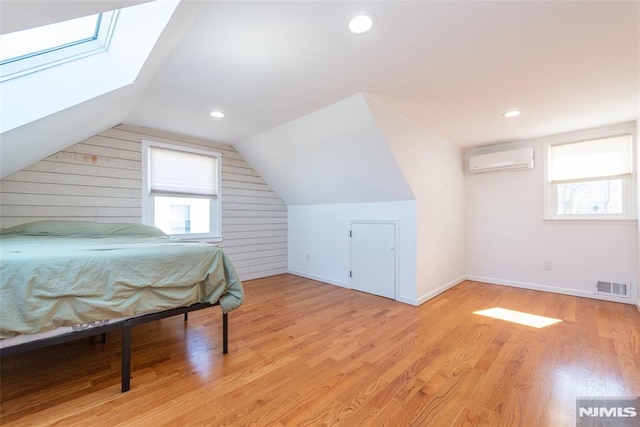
[429,295]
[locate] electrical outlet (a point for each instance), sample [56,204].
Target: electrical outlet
[548,265]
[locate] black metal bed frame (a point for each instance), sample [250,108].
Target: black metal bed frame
[125,327]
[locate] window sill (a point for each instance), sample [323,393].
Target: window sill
[591,221]
[205,239]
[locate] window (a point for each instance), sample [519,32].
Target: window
[181,190]
[34,49]
[111,61]
[591,179]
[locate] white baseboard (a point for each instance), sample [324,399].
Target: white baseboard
[407,300]
[544,288]
[401,298]
[490,280]
[320,279]
[426,297]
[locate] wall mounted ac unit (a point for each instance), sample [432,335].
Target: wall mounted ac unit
[504,160]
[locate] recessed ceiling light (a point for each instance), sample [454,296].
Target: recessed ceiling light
[512,113]
[360,23]
[217,114]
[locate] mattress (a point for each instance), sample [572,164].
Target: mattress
[57,274]
[63,330]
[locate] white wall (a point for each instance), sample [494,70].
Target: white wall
[433,167]
[508,242]
[638,200]
[357,159]
[322,233]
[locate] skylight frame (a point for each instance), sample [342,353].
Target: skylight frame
[36,61]
[42,39]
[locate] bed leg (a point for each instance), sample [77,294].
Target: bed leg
[225,333]
[103,339]
[186,316]
[126,358]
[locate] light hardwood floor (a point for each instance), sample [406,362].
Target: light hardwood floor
[306,353]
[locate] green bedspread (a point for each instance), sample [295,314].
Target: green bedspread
[61,273]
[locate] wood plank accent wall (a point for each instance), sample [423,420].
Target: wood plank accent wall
[100,179]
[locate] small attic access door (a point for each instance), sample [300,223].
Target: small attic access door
[373,257]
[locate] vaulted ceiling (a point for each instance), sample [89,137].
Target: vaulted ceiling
[452,67]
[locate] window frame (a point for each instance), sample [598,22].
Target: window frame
[41,60]
[629,184]
[215,210]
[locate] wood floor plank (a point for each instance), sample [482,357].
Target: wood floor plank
[307,353]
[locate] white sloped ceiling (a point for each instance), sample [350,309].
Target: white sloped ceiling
[334,155]
[49,110]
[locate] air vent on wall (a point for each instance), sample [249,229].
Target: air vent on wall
[612,288]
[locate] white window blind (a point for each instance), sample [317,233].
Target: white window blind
[598,159]
[178,172]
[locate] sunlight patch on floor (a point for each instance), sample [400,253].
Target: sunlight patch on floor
[518,317]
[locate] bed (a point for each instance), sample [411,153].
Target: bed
[64,280]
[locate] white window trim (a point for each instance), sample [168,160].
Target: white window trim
[147,205]
[548,188]
[39,61]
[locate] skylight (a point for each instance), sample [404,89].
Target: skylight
[66,76]
[38,40]
[34,49]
